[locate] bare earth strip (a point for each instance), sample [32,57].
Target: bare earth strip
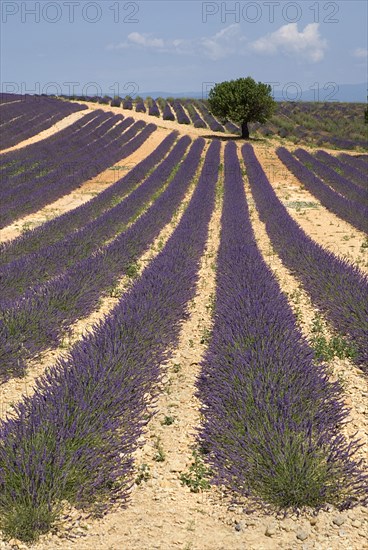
[86,191]
[324,227]
[60,125]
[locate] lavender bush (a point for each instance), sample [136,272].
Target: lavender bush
[128,104]
[346,170]
[350,211]
[336,287]
[140,107]
[153,109]
[181,115]
[214,125]
[74,438]
[168,114]
[31,115]
[195,118]
[340,184]
[60,227]
[40,318]
[55,259]
[272,419]
[116,102]
[354,161]
[30,165]
[91,158]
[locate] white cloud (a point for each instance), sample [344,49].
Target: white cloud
[288,40]
[224,43]
[228,41]
[360,52]
[145,40]
[140,40]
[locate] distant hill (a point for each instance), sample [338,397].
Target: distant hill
[350,93]
[189,95]
[342,93]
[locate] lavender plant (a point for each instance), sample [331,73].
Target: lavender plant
[153,109]
[195,118]
[336,287]
[350,211]
[354,161]
[22,119]
[340,184]
[181,115]
[140,107]
[99,155]
[271,419]
[61,226]
[55,259]
[167,113]
[40,318]
[214,125]
[74,438]
[345,169]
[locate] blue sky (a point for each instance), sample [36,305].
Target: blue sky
[178,46]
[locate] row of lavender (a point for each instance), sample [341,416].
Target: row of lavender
[344,168]
[184,111]
[336,287]
[59,227]
[358,163]
[73,439]
[331,177]
[30,115]
[272,419]
[11,98]
[36,160]
[328,124]
[349,210]
[43,172]
[50,260]
[44,313]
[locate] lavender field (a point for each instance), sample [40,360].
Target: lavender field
[182,315]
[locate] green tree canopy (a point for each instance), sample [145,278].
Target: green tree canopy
[242,101]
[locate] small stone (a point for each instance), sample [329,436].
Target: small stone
[356,523]
[287,525]
[251,522]
[339,520]
[270,530]
[239,525]
[232,508]
[363,533]
[313,520]
[176,467]
[342,533]
[301,534]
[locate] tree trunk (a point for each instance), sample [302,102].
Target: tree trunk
[245,130]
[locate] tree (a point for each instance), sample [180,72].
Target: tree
[241,101]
